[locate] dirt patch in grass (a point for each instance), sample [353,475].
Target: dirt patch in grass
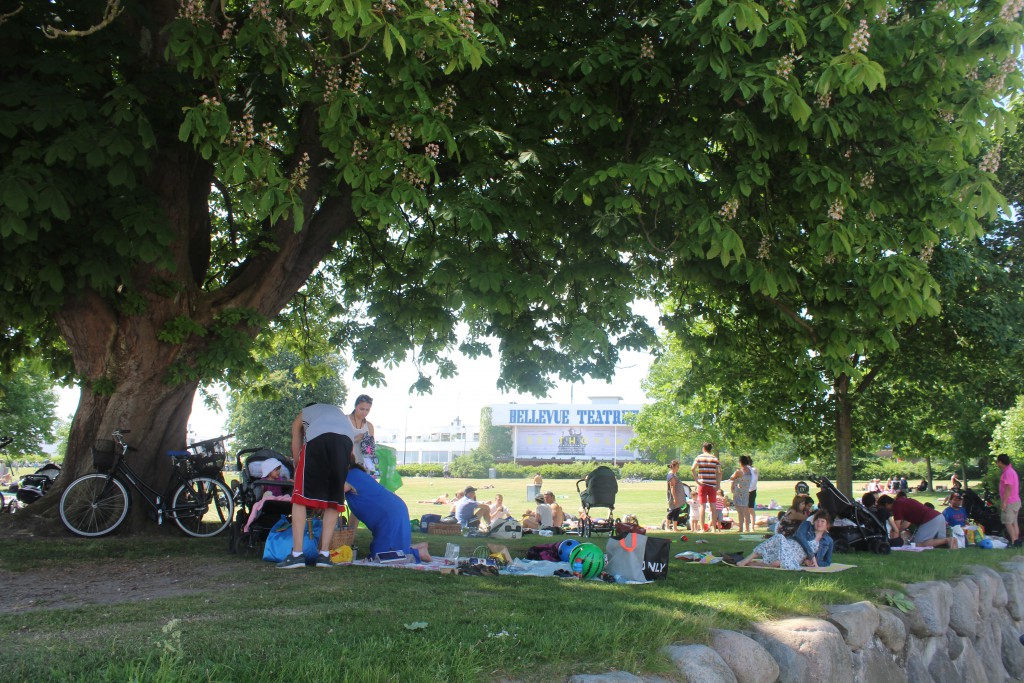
[112,581]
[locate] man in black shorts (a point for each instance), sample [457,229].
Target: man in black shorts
[322,452]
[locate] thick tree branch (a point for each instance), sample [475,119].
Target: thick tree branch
[111,12]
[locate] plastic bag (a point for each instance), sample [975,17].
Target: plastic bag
[626,557]
[958,533]
[388,464]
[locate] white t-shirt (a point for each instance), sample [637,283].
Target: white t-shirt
[753,479]
[544,511]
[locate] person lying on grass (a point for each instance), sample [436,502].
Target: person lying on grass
[810,546]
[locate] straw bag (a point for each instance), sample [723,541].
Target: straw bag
[343,535]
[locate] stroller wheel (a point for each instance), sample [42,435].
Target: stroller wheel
[841,546]
[880,547]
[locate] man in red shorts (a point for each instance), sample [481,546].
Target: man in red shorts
[707,472]
[322,451]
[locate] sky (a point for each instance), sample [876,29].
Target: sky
[462,396]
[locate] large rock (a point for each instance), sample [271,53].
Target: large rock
[892,629]
[930,616]
[1013,581]
[964,617]
[1012,649]
[613,677]
[750,662]
[857,622]
[806,650]
[920,652]
[989,646]
[873,663]
[955,644]
[993,592]
[941,666]
[700,664]
[969,666]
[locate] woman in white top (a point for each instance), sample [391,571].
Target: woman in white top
[361,428]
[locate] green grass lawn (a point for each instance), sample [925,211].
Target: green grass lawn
[256,623]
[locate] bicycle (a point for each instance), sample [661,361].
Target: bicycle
[96,504]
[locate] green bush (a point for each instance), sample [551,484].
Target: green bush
[785,471]
[433,469]
[883,469]
[472,465]
[645,470]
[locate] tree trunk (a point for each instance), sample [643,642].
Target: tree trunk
[844,435]
[929,473]
[126,367]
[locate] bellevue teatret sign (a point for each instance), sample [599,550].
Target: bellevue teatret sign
[593,431]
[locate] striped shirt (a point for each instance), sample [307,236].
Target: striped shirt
[707,469]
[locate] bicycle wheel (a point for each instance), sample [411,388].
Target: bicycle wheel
[202,507]
[94,505]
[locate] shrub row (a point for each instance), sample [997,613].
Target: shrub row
[768,471]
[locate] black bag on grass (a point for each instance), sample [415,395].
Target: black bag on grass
[656,558]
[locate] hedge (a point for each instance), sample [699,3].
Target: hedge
[768,471]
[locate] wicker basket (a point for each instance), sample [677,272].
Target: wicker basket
[343,535]
[103,455]
[445,529]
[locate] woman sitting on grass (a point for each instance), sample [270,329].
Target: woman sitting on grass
[810,546]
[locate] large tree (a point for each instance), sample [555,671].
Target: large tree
[173,173]
[173,178]
[796,164]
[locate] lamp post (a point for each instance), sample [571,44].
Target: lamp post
[405,435]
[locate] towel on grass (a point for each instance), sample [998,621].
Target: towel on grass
[831,569]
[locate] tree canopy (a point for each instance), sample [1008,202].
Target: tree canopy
[262,416]
[27,409]
[173,178]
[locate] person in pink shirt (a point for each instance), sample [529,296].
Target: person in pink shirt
[1009,499]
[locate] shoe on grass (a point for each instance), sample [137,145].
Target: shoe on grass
[324,560]
[292,562]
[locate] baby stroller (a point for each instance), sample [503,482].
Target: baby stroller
[981,510]
[854,527]
[601,487]
[34,486]
[248,492]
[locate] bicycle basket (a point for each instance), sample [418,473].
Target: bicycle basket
[103,455]
[206,458]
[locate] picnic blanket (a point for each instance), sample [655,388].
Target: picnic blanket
[434,565]
[908,549]
[521,567]
[831,569]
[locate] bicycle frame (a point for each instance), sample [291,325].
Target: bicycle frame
[152,497]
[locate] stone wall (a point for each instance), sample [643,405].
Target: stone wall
[965,630]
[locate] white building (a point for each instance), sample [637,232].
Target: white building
[541,432]
[437,444]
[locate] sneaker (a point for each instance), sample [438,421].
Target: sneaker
[1017,543]
[324,560]
[292,562]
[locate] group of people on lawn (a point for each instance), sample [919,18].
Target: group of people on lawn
[801,534]
[472,514]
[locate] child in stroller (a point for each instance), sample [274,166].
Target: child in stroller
[262,496]
[854,527]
